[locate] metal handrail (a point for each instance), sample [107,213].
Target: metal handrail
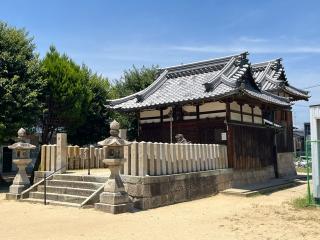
[99,190]
[45,177]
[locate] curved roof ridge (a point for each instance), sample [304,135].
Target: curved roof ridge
[262,64]
[264,74]
[203,63]
[222,71]
[241,62]
[142,92]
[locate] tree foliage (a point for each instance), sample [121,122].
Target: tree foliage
[74,101]
[66,97]
[96,125]
[21,84]
[132,81]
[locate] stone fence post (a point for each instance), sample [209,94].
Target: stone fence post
[61,158]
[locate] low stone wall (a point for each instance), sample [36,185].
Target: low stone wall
[250,176]
[286,166]
[155,191]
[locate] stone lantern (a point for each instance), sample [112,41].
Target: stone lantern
[114,199]
[21,180]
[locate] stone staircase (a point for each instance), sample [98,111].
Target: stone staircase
[68,190]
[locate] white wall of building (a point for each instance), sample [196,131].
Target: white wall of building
[315,148]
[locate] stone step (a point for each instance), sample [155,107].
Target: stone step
[79,178]
[59,197]
[74,184]
[262,188]
[67,190]
[50,202]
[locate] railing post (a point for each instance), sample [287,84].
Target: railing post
[48,157]
[134,154]
[218,156]
[208,157]
[193,150]
[188,167]
[44,189]
[180,160]
[150,153]
[211,158]
[43,157]
[198,157]
[76,157]
[173,157]
[53,157]
[157,158]
[101,158]
[90,158]
[70,157]
[204,157]
[168,158]
[142,156]
[96,157]
[61,152]
[127,163]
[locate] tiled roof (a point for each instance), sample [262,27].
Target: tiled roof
[270,76]
[212,79]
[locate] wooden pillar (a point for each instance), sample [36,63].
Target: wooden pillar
[230,146]
[228,111]
[198,111]
[161,115]
[252,113]
[138,124]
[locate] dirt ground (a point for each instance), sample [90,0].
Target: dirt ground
[217,217]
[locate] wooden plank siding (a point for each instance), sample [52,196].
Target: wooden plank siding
[197,131]
[284,138]
[250,147]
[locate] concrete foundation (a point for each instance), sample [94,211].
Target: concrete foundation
[251,176]
[286,166]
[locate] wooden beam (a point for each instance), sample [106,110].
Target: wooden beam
[161,115]
[198,111]
[228,111]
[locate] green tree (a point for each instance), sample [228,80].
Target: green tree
[66,97]
[132,81]
[21,84]
[96,125]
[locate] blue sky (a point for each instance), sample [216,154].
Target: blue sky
[111,36]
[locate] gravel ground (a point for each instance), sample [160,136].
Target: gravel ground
[217,217]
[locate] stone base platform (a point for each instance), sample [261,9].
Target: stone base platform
[272,185]
[115,209]
[12,196]
[156,191]
[146,192]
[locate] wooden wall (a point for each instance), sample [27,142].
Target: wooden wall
[250,147]
[197,131]
[284,138]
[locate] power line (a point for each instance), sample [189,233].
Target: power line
[313,86]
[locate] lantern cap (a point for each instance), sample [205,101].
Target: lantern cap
[114,139]
[21,144]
